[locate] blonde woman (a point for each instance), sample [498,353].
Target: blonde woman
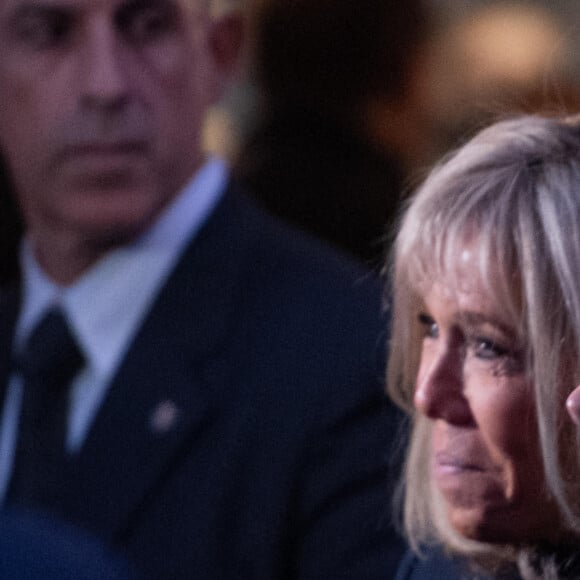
[485,352]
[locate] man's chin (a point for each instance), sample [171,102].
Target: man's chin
[113,212]
[111,233]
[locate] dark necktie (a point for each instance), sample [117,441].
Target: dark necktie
[47,364]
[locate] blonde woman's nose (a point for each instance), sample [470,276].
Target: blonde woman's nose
[439,392]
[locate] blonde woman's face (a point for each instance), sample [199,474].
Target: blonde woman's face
[472,383]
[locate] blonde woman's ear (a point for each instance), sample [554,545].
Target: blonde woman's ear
[573,405]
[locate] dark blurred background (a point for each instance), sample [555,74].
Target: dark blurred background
[343,106]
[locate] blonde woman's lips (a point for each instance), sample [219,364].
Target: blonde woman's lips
[446,463]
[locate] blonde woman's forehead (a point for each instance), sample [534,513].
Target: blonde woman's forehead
[446,258]
[466,270]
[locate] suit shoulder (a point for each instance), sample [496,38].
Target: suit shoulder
[302,262]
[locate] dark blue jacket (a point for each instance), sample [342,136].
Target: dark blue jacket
[264,354]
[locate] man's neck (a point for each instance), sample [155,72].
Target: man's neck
[65,260]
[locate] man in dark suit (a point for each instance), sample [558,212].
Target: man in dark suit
[217,410]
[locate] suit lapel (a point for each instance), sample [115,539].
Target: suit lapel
[168,387]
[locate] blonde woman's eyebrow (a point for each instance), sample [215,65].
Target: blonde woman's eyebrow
[478,319]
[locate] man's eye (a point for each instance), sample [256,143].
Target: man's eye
[142,23]
[430,328]
[45,30]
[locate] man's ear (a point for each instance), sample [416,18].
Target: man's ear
[226,44]
[573,405]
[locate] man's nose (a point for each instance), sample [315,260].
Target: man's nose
[439,392]
[104,69]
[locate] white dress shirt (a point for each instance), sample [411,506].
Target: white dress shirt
[106,306]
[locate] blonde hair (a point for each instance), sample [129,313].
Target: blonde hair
[517,186]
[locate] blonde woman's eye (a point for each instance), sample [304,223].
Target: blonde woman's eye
[504,360]
[430,328]
[488,349]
